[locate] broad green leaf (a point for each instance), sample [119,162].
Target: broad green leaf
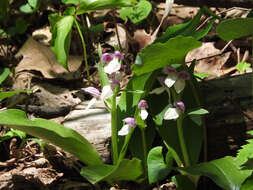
[137,13]
[159,55]
[64,137]
[26,8]
[74,2]
[12,133]
[157,168]
[183,182]
[61,27]
[34,3]
[126,170]
[4,10]
[230,29]
[185,29]
[21,26]
[245,154]
[248,184]
[4,73]
[8,94]
[192,125]
[69,11]
[224,172]
[203,32]
[104,4]
[242,66]
[199,111]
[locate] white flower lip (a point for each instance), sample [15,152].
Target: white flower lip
[106,92]
[113,66]
[124,130]
[171,113]
[170,79]
[144,114]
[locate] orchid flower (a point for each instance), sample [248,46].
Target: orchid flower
[174,113]
[129,124]
[113,62]
[143,106]
[106,93]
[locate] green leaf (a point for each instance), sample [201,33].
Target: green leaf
[248,184]
[185,29]
[192,125]
[4,73]
[245,153]
[159,55]
[126,170]
[69,11]
[242,66]
[137,13]
[157,168]
[4,10]
[230,29]
[183,182]
[202,75]
[61,27]
[104,4]
[26,8]
[199,111]
[67,2]
[202,33]
[224,172]
[34,4]
[21,26]
[64,137]
[12,133]
[8,94]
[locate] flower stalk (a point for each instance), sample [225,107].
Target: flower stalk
[182,141]
[114,139]
[84,50]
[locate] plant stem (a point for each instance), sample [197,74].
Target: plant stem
[174,154]
[144,144]
[182,142]
[84,50]
[252,63]
[114,127]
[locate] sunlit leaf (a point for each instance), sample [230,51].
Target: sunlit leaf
[104,4]
[4,73]
[225,172]
[64,137]
[137,13]
[157,168]
[61,28]
[159,55]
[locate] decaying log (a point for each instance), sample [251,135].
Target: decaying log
[229,101]
[217,3]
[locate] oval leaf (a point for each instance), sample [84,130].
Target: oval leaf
[128,170]
[159,55]
[224,172]
[64,137]
[61,27]
[157,169]
[230,29]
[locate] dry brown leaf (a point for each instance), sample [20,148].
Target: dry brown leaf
[41,58]
[142,38]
